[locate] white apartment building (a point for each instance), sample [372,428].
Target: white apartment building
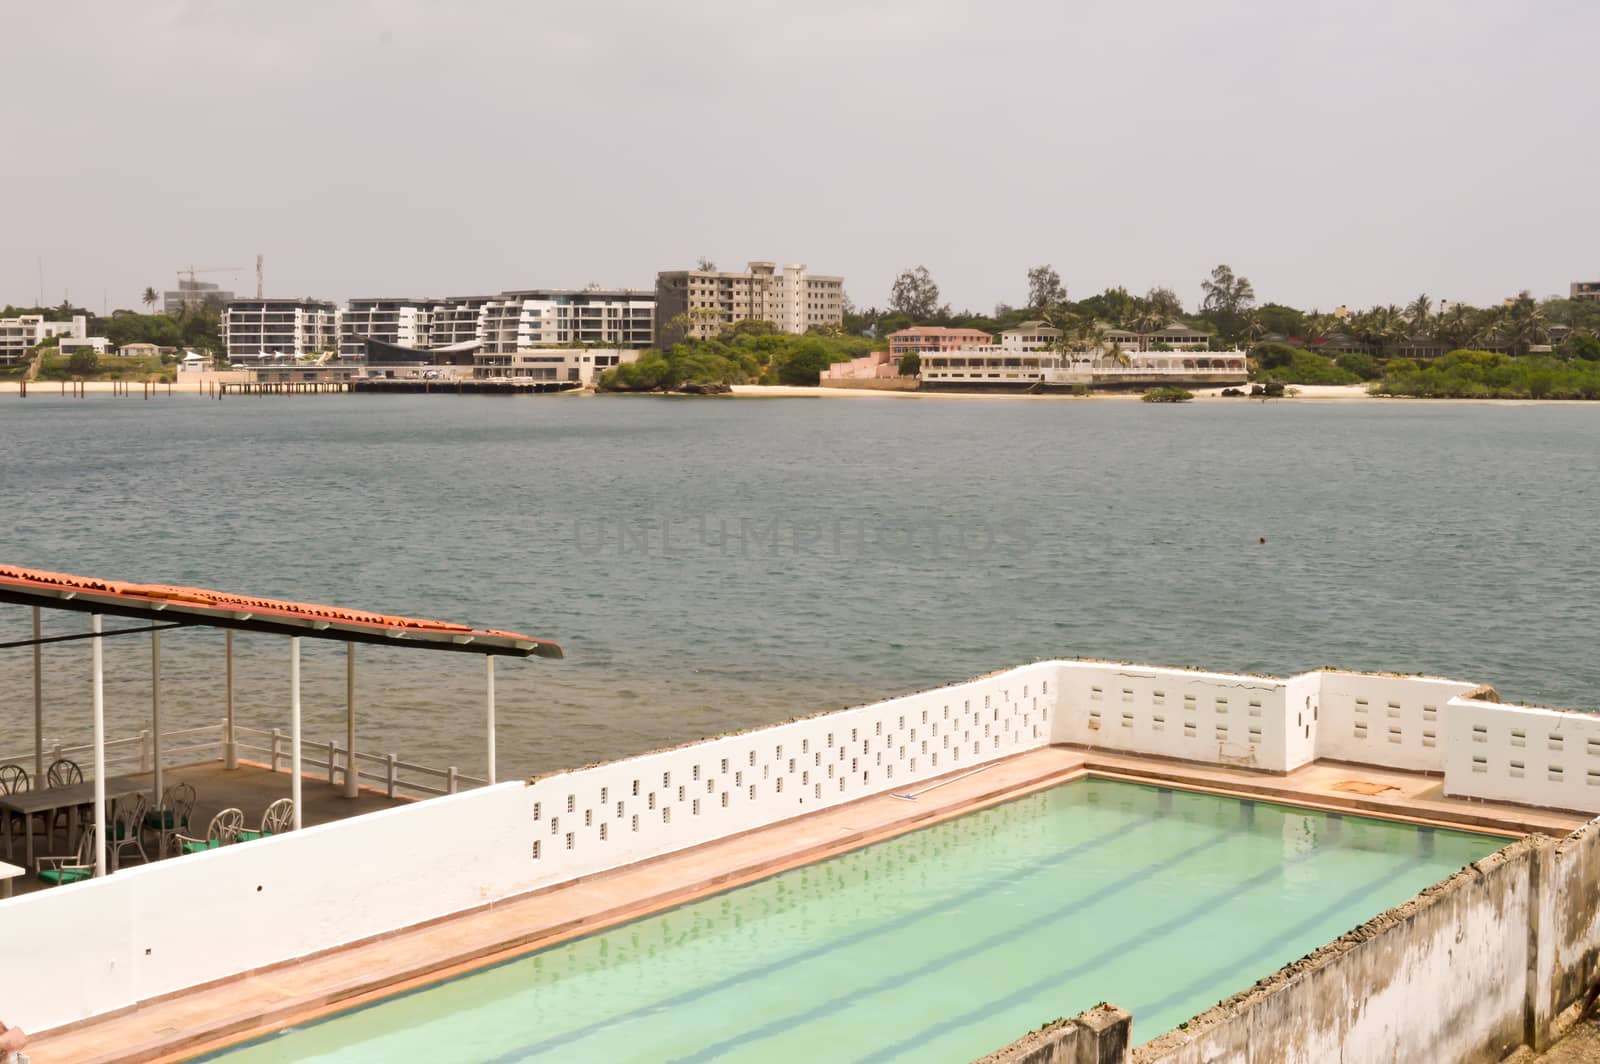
[407,322]
[21,334]
[712,301]
[456,321]
[257,330]
[517,321]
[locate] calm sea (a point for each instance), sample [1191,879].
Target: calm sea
[712,565]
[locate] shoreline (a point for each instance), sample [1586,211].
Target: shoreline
[192,385]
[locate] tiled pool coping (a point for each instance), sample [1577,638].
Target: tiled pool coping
[249,1005]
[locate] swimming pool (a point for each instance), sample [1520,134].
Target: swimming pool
[940,945]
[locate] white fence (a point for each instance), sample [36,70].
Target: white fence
[1543,757]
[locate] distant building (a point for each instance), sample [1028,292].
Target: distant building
[926,339]
[578,366]
[457,321]
[192,294]
[876,365]
[1030,336]
[22,334]
[518,321]
[394,321]
[1176,335]
[70,344]
[257,330]
[1589,290]
[711,301]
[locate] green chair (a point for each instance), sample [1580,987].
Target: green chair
[223,831]
[278,818]
[177,806]
[58,870]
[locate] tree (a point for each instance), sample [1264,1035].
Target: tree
[1581,345]
[805,364]
[1166,302]
[1227,299]
[1524,324]
[1419,312]
[149,299]
[705,265]
[1045,288]
[83,362]
[910,364]
[914,294]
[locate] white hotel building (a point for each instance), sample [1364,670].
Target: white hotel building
[259,330]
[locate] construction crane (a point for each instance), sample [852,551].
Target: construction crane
[191,271]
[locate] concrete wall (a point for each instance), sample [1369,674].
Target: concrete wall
[1543,757]
[1197,716]
[1101,1035]
[1393,721]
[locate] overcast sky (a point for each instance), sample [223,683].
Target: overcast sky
[1357,152]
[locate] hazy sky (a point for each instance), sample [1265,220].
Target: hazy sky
[1356,152]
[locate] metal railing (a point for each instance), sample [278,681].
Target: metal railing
[136,753]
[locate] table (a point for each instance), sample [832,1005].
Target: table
[8,872]
[50,799]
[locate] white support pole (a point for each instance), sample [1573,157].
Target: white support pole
[488,675]
[230,746]
[155,708]
[352,779]
[38,704]
[99,746]
[294,730]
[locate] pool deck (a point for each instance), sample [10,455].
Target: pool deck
[210,1017]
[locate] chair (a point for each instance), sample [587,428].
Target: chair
[223,830]
[278,818]
[70,869]
[61,773]
[127,829]
[177,806]
[13,780]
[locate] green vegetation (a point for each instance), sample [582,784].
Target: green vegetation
[1291,365]
[910,364]
[85,363]
[1167,395]
[752,351]
[1467,374]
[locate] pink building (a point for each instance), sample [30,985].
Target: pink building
[933,339]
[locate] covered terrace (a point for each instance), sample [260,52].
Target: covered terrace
[228,766]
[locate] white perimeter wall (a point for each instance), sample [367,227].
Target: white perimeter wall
[76,951]
[80,950]
[1521,754]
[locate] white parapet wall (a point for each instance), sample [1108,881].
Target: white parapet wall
[1544,757]
[107,944]
[1393,721]
[102,945]
[1213,717]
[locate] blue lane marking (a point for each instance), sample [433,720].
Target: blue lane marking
[835,1004]
[1271,946]
[898,923]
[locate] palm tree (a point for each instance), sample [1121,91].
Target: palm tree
[1420,312]
[1114,355]
[1454,327]
[149,299]
[1254,329]
[1524,324]
[1146,320]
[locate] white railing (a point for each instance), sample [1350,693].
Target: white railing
[333,762]
[136,753]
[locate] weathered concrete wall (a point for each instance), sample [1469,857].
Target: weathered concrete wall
[1570,922]
[1102,1035]
[1444,977]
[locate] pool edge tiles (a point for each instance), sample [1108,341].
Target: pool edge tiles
[916,930]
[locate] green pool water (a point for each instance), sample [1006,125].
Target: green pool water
[940,945]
